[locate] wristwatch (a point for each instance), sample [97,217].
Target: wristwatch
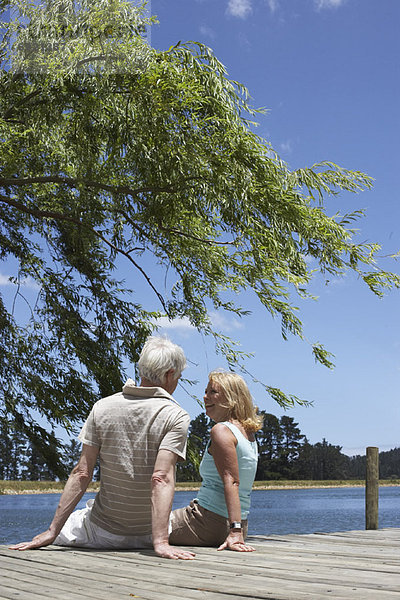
[235,525]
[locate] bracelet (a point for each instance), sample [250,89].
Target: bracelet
[235,525]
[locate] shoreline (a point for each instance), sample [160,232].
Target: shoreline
[11,488]
[303,486]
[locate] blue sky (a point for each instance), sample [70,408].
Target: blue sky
[328,73]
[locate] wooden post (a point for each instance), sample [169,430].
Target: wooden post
[372,488]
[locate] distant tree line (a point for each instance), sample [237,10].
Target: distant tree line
[20,459]
[285,453]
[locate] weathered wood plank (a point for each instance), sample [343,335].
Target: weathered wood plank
[298,561]
[12,594]
[56,585]
[170,582]
[316,591]
[333,543]
[348,566]
[38,590]
[98,584]
[140,584]
[249,581]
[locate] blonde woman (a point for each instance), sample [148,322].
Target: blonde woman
[218,516]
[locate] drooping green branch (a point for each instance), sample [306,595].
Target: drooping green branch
[43,214]
[149,154]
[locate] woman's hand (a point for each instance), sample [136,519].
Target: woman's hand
[235,542]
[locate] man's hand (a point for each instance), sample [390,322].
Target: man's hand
[166,551]
[43,539]
[235,542]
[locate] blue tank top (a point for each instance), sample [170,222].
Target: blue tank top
[211,494]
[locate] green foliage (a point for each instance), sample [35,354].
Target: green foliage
[34,466]
[285,453]
[10,452]
[389,465]
[279,442]
[112,151]
[72,454]
[199,433]
[322,461]
[22,458]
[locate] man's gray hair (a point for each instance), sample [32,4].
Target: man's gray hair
[158,356]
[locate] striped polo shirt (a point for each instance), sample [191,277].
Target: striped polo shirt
[130,428]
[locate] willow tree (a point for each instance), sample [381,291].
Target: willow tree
[111,151]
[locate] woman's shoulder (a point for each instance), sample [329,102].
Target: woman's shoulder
[237,428]
[220,428]
[220,432]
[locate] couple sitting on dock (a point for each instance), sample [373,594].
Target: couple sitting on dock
[139,435]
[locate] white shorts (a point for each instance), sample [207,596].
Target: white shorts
[80,531]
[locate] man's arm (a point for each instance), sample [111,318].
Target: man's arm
[162,494]
[74,489]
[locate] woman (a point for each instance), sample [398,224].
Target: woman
[218,516]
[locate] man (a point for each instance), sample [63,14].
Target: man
[139,434]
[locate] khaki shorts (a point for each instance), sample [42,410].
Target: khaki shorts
[197,526]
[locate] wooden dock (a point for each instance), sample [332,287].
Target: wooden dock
[362,565]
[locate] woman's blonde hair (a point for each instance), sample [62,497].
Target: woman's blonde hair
[238,399]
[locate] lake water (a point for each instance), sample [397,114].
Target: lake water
[272,511]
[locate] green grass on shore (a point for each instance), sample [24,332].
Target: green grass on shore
[298,483]
[309,483]
[38,487]
[48,487]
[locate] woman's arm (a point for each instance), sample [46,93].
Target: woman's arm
[223,448]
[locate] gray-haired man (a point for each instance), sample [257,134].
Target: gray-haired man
[139,434]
